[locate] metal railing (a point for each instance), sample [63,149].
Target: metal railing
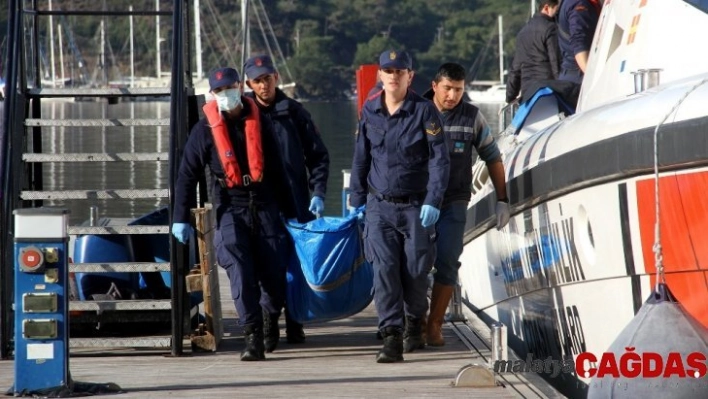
[21,168]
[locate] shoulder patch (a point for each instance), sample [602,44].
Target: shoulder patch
[432,128]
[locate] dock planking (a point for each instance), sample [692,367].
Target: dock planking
[336,361]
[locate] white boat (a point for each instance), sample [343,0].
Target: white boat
[491,92]
[576,261]
[495,94]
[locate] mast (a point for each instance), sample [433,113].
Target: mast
[61,57]
[245,44]
[198,39]
[132,57]
[501,51]
[104,76]
[158,67]
[51,46]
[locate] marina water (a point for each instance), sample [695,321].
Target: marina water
[337,122]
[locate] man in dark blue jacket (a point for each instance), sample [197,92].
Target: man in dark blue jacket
[305,160]
[577,20]
[236,142]
[399,174]
[537,55]
[466,130]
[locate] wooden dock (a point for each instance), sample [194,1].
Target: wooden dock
[336,361]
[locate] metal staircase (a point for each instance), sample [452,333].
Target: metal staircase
[25,159]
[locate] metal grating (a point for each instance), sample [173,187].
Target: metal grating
[119,267]
[133,304]
[97,122]
[97,157]
[92,194]
[132,342]
[107,92]
[137,229]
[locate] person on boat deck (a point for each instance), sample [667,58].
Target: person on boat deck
[236,141]
[577,20]
[466,130]
[399,173]
[306,162]
[537,54]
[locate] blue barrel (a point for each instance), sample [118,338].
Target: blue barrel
[153,248]
[104,248]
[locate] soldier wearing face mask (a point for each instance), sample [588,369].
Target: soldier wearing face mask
[237,143]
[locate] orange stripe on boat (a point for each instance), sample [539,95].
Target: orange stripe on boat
[633,29]
[684,230]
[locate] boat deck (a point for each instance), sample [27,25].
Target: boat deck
[336,361]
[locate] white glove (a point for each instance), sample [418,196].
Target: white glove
[502,214]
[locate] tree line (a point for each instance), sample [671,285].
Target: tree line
[323,41]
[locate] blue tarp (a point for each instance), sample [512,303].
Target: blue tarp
[525,107]
[329,278]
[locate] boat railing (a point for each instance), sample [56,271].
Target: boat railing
[506,114]
[25,159]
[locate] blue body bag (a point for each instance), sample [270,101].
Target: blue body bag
[328,277]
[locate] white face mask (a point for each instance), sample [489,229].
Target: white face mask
[228,99]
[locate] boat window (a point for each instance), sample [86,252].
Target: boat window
[480,176]
[700,4]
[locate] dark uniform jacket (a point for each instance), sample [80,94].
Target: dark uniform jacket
[577,20]
[466,131]
[537,55]
[303,152]
[200,152]
[403,155]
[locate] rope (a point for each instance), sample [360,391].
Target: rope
[658,254]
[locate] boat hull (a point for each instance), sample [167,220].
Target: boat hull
[576,261]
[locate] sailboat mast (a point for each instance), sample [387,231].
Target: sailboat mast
[104,75]
[158,67]
[501,51]
[51,46]
[104,72]
[245,37]
[198,39]
[61,56]
[132,57]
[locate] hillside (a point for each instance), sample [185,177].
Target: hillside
[323,40]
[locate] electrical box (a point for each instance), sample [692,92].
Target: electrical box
[41,301]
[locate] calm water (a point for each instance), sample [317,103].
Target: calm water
[336,121]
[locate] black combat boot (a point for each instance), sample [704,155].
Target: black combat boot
[293,330]
[271,331]
[392,350]
[413,335]
[255,350]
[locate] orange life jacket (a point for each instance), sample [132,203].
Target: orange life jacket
[225,149]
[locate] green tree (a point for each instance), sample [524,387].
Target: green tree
[368,53]
[314,70]
[324,41]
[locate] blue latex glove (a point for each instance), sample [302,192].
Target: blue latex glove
[182,232]
[429,215]
[317,205]
[359,212]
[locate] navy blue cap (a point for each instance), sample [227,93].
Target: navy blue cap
[257,66]
[223,77]
[395,59]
